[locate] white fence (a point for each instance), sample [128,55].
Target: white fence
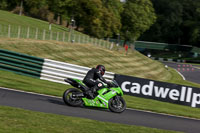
[13,31]
[57,71]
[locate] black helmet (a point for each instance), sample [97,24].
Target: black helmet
[101,68]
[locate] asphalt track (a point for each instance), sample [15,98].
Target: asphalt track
[189,71]
[55,105]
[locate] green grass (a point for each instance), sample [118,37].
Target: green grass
[19,82]
[23,121]
[88,55]
[24,21]
[29,27]
[133,64]
[161,107]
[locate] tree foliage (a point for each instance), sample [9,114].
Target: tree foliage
[137,17]
[87,14]
[174,21]
[36,8]
[177,22]
[98,18]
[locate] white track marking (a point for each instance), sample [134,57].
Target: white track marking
[126,108]
[196,67]
[181,75]
[184,117]
[3,88]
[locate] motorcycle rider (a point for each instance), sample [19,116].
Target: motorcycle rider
[91,80]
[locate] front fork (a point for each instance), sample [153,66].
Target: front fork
[117,101]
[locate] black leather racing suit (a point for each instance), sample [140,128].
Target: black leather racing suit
[91,79]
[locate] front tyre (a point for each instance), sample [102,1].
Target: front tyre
[117,104]
[69,99]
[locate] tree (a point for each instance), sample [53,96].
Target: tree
[61,9]
[86,14]
[137,17]
[9,4]
[167,26]
[98,18]
[36,8]
[191,25]
[177,22]
[114,8]
[3,4]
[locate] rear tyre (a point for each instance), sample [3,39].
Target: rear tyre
[117,104]
[69,99]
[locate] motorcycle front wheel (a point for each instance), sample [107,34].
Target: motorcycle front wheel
[69,99]
[117,104]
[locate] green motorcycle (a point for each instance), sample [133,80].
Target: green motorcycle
[107,97]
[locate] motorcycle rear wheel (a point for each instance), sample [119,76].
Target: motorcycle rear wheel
[117,104]
[69,99]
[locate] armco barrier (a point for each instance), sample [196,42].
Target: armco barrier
[56,71]
[20,63]
[43,68]
[161,91]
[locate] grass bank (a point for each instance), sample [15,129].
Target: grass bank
[24,21]
[12,120]
[11,80]
[15,26]
[133,64]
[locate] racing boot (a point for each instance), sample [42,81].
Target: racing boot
[89,94]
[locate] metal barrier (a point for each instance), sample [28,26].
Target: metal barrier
[56,71]
[45,69]
[20,63]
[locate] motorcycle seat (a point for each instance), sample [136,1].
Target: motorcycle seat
[76,84]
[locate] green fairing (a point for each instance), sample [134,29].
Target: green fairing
[118,90]
[102,99]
